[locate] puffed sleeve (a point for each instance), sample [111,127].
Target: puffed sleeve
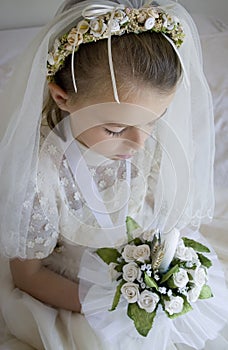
[43,221]
[43,231]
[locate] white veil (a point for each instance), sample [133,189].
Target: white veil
[184,194]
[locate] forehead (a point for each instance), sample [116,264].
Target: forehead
[112,112]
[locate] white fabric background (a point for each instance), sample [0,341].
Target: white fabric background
[214,38]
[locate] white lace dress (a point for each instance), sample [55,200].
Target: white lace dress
[62,226]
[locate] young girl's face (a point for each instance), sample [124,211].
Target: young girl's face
[121,135]
[117,135]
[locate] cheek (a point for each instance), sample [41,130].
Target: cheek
[91,136]
[98,139]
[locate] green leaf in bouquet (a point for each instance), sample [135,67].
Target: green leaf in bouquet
[169,273]
[119,267]
[108,255]
[206,292]
[136,241]
[117,296]
[195,245]
[131,225]
[204,260]
[143,320]
[150,282]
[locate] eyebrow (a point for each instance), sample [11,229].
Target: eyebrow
[118,125]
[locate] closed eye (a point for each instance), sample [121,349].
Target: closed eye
[114,133]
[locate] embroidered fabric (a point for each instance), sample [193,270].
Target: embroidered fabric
[61,199]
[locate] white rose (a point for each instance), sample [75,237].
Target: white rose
[199,276]
[98,27]
[53,59]
[124,20]
[180,250]
[152,13]
[119,15]
[115,25]
[142,253]
[141,17]
[148,235]
[131,272]
[112,271]
[185,253]
[130,292]
[180,278]
[170,23]
[174,305]
[128,253]
[193,294]
[57,44]
[148,300]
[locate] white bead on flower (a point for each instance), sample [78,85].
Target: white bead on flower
[149,24]
[148,300]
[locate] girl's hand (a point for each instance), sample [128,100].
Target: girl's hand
[45,285]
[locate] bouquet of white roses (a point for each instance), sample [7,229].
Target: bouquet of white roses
[145,285]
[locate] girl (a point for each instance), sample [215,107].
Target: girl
[125,102]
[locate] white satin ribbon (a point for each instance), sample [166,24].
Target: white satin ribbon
[186,78]
[92,12]
[88,186]
[95,10]
[110,60]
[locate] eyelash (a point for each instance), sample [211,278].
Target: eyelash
[113,133]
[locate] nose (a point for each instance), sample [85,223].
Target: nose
[137,137]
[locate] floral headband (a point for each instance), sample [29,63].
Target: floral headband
[103,22]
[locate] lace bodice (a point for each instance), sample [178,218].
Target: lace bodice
[61,218]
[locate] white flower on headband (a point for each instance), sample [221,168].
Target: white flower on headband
[98,27]
[120,15]
[83,27]
[169,22]
[115,25]
[124,20]
[74,39]
[149,24]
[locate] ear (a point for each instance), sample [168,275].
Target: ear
[59,96]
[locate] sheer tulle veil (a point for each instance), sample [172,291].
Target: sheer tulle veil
[184,193]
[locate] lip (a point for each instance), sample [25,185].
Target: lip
[124,156]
